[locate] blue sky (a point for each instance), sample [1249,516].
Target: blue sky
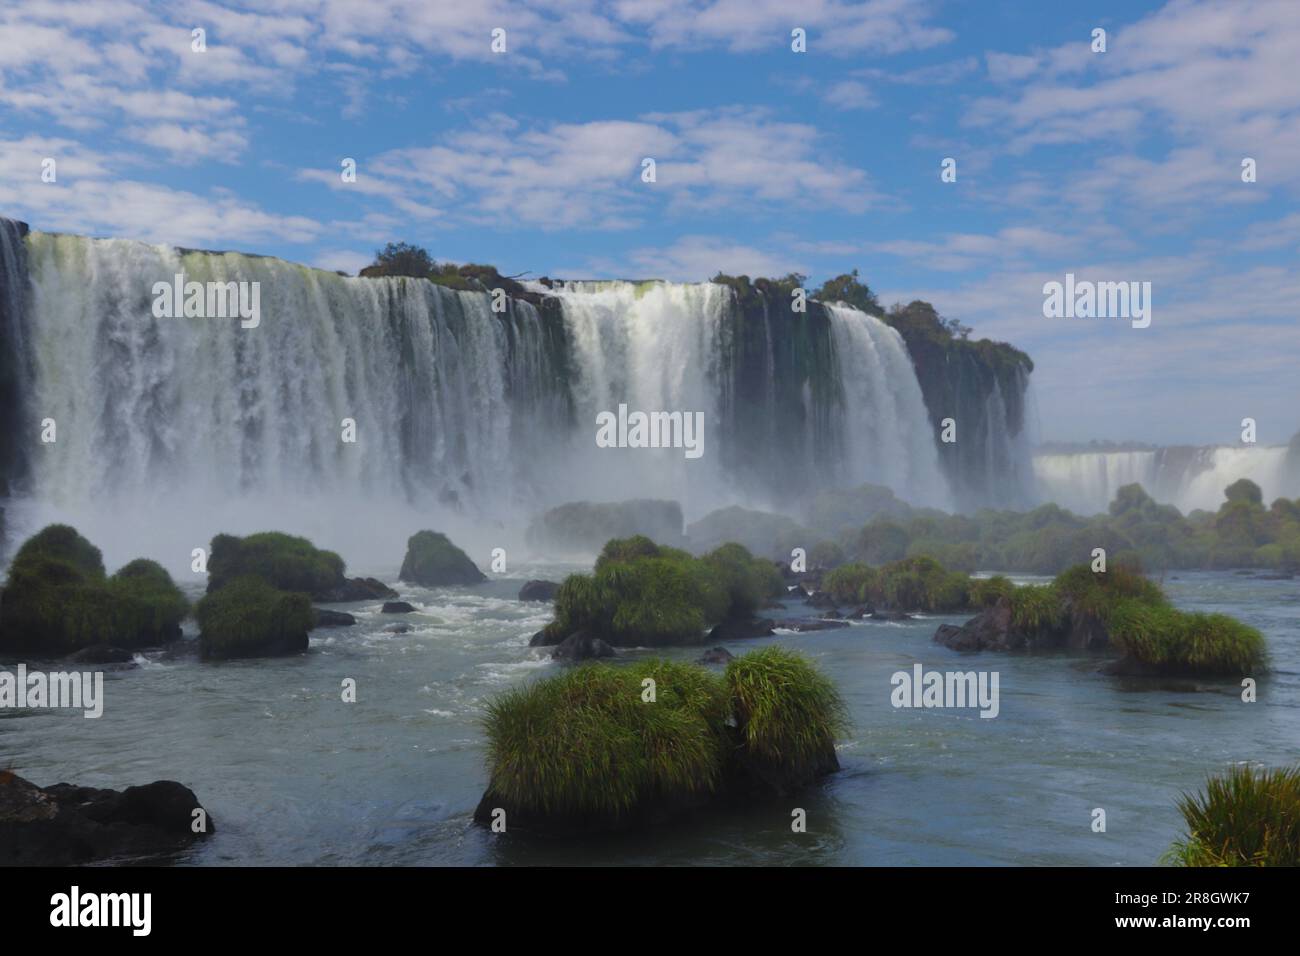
[1116,166]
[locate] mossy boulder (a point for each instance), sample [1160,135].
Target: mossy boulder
[433,561]
[57,599]
[586,751]
[249,618]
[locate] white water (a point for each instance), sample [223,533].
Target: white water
[887,431]
[1086,482]
[170,430]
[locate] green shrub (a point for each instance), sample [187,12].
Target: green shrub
[587,748]
[249,618]
[1178,642]
[1096,593]
[851,583]
[1246,817]
[749,582]
[586,744]
[1036,608]
[921,584]
[787,713]
[281,560]
[986,592]
[57,601]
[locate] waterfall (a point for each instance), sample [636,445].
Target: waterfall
[169,430]
[1188,478]
[886,432]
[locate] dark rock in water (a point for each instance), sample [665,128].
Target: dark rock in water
[820,599]
[328,618]
[1275,577]
[813,624]
[543,638]
[397,607]
[715,655]
[796,593]
[357,589]
[102,655]
[890,616]
[832,614]
[538,591]
[858,613]
[739,630]
[433,561]
[988,630]
[398,629]
[581,646]
[65,825]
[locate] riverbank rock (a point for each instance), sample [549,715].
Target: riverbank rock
[814,624]
[581,646]
[102,655]
[327,618]
[734,629]
[538,591]
[988,630]
[433,561]
[397,607]
[65,825]
[715,655]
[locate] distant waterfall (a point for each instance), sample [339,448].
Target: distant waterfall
[171,429]
[1189,478]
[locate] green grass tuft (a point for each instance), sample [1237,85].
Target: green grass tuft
[1181,642]
[1246,817]
[249,618]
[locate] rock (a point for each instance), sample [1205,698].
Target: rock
[890,616]
[102,655]
[715,655]
[398,629]
[813,624]
[739,630]
[988,630]
[328,618]
[397,607]
[538,591]
[64,825]
[357,589]
[433,561]
[544,639]
[581,646]
[831,614]
[858,613]
[820,598]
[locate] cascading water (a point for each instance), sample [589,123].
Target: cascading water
[168,430]
[1188,478]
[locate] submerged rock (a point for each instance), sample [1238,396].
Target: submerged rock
[398,629]
[102,655]
[65,825]
[733,629]
[814,624]
[397,607]
[433,561]
[890,616]
[581,646]
[357,589]
[715,655]
[538,591]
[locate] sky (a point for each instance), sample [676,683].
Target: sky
[1123,165]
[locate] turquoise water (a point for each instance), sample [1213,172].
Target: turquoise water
[292,775]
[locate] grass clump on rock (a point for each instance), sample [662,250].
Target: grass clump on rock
[281,560]
[58,600]
[249,618]
[642,594]
[1246,817]
[591,749]
[1160,639]
[433,561]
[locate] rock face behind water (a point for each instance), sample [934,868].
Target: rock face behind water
[64,825]
[433,561]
